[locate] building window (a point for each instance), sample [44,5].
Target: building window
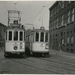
[62,20]
[57,23]
[72,39]
[57,8]
[51,13]
[72,15]
[62,4]
[68,17]
[68,40]
[62,41]
[54,10]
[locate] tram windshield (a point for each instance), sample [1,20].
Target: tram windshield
[42,37]
[15,35]
[10,35]
[37,36]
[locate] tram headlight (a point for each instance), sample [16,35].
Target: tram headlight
[46,46]
[15,47]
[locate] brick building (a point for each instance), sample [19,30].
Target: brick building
[62,26]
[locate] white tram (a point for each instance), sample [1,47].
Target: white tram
[37,41]
[14,35]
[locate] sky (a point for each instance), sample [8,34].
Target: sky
[33,12]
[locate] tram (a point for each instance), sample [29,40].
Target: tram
[14,35]
[37,41]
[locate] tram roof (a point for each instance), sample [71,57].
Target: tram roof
[44,30]
[9,28]
[36,30]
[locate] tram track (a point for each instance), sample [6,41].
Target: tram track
[51,66]
[68,68]
[33,66]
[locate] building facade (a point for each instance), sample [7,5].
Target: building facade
[62,26]
[2,30]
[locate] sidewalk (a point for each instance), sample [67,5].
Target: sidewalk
[70,55]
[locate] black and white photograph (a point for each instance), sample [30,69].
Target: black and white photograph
[37,37]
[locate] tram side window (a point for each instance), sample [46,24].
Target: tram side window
[42,37]
[21,36]
[37,36]
[15,35]
[46,37]
[10,35]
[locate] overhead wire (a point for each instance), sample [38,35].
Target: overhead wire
[39,12]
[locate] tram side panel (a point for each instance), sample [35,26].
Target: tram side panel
[39,47]
[15,47]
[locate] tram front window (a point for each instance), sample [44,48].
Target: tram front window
[42,37]
[15,35]
[21,36]
[10,35]
[37,36]
[46,37]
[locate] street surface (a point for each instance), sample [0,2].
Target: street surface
[55,63]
